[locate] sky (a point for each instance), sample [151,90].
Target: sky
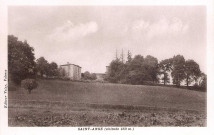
[90,35]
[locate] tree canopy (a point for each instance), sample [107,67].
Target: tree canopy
[42,66]
[135,71]
[178,69]
[89,76]
[115,69]
[52,69]
[192,71]
[20,59]
[140,70]
[165,66]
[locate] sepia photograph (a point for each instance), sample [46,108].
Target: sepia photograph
[107,66]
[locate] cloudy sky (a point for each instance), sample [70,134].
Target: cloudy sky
[89,35]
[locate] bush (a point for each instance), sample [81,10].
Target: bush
[198,87]
[29,84]
[88,76]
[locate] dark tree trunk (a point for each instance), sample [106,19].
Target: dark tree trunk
[164,79]
[187,81]
[178,84]
[178,81]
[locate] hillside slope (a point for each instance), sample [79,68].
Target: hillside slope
[66,103]
[113,94]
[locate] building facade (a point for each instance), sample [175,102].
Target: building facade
[71,71]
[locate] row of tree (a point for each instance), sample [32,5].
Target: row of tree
[22,63]
[148,70]
[45,68]
[88,76]
[137,70]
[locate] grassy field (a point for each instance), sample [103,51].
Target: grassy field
[66,103]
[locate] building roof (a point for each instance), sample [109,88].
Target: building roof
[70,64]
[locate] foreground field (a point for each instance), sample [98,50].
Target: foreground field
[64,103]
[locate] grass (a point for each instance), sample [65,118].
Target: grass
[66,97]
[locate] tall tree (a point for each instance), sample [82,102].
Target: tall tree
[116,55]
[20,59]
[165,78]
[122,56]
[178,69]
[137,73]
[192,71]
[52,69]
[129,56]
[42,66]
[165,66]
[115,71]
[203,81]
[151,65]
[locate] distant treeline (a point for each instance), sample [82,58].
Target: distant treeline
[148,70]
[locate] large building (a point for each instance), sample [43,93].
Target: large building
[71,71]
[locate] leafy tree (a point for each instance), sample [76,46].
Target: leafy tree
[192,71]
[93,76]
[151,65]
[165,66]
[88,76]
[29,84]
[52,69]
[42,66]
[126,69]
[203,81]
[115,71]
[178,69]
[137,62]
[20,59]
[165,78]
[136,70]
